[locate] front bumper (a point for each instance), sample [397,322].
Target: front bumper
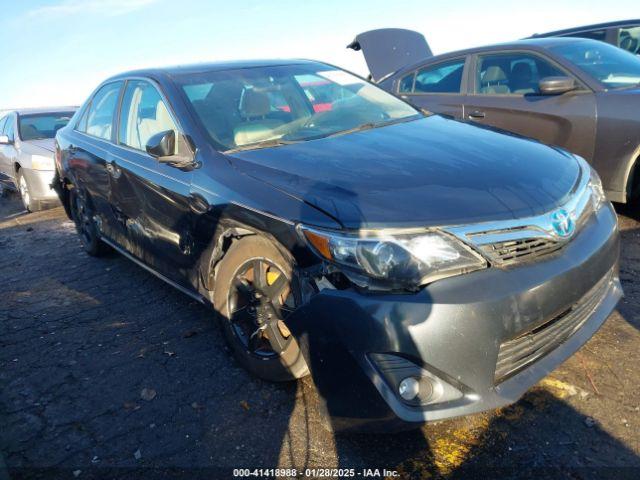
[454,328]
[40,184]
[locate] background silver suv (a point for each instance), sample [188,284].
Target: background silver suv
[26,153]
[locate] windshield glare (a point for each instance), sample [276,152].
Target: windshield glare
[42,125]
[611,66]
[244,108]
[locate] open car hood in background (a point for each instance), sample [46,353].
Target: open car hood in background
[387,50]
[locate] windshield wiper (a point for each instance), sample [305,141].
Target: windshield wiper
[370,125]
[276,142]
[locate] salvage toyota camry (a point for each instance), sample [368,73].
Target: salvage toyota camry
[418,267]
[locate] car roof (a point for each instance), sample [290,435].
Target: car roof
[540,43]
[531,43]
[29,111]
[211,67]
[584,28]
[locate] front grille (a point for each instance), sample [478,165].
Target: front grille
[517,251]
[514,355]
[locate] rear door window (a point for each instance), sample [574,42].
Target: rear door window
[100,114]
[440,78]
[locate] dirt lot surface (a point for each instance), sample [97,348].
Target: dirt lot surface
[106,372]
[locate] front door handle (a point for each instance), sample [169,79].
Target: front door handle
[198,204]
[476,114]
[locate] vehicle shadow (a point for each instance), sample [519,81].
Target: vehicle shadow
[108,372]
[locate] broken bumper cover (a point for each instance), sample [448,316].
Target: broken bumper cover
[458,329]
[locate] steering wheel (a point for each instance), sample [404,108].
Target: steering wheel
[630,44]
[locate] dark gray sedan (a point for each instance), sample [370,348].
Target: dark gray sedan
[580,94]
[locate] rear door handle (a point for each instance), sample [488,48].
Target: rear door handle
[476,114]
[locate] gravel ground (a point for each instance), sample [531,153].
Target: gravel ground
[106,372]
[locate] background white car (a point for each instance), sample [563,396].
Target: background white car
[26,153]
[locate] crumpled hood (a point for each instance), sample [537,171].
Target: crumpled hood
[36,146]
[432,171]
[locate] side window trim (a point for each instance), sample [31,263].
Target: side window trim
[473,77]
[463,81]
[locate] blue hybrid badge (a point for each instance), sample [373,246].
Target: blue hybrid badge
[562,223]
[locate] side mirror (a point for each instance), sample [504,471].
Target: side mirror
[556,85]
[4,140]
[162,144]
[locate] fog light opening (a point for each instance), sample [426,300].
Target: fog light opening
[412,384]
[420,390]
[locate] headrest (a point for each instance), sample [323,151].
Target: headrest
[494,74]
[522,71]
[255,104]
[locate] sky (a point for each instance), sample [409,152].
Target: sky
[56,52]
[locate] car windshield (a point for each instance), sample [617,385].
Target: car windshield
[42,125]
[611,66]
[259,107]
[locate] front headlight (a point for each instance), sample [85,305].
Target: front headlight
[40,162]
[405,260]
[598,197]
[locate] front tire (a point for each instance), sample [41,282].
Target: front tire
[254,293]
[24,189]
[82,216]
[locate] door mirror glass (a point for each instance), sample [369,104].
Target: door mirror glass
[162,144]
[556,85]
[4,140]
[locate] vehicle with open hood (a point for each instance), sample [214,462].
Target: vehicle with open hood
[418,267]
[579,94]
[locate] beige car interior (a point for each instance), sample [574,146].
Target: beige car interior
[494,81]
[255,127]
[141,128]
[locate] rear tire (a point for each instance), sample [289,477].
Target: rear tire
[24,189]
[82,216]
[252,333]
